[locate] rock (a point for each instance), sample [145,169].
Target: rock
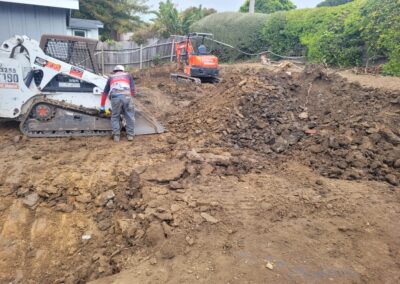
[316,149]
[22,191]
[155,234]
[269,265]
[280,145]
[333,143]
[175,208]
[319,182]
[206,170]
[153,261]
[303,115]
[110,204]
[104,224]
[86,237]
[397,164]
[174,185]
[46,191]
[134,181]
[194,157]
[31,200]
[36,157]
[389,136]
[392,179]
[167,251]
[209,218]
[104,197]
[162,191]
[163,216]
[167,229]
[189,240]
[223,159]
[17,138]
[260,124]
[242,83]
[84,198]
[63,207]
[128,227]
[310,131]
[165,172]
[172,140]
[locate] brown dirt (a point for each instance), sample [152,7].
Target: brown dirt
[240,190]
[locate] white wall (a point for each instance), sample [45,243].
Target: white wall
[32,21]
[94,33]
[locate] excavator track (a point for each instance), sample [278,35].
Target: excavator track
[185,78]
[198,81]
[50,118]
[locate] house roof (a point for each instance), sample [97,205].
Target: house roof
[84,24]
[66,4]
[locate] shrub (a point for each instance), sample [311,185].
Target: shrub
[357,33]
[238,29]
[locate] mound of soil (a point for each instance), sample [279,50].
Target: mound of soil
[340,129]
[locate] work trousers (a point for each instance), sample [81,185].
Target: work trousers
[122,104]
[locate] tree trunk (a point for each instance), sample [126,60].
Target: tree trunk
[251,6]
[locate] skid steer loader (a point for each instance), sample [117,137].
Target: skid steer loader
[53,89]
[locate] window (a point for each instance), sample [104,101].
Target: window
[80,33]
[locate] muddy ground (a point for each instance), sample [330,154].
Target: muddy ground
[275,175]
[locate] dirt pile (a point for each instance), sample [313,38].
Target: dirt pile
[144,210]
[340,129]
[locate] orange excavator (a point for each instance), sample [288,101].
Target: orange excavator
[199,65]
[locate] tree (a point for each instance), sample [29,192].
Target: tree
[170,22]
[268,6]
[192,15]
[333,3]
[118,16]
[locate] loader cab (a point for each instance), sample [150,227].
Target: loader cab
[76,51]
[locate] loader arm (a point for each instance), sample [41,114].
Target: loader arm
[50,66]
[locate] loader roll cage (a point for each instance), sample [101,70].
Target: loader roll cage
[76,51]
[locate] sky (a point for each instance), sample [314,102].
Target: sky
[226,5]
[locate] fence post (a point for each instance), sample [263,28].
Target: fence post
[102,58]
[172,50]
[141,57]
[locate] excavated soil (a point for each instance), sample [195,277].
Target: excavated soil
[272,176]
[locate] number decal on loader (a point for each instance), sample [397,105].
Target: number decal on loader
[8,78]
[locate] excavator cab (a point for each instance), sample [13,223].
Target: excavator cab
[197,64]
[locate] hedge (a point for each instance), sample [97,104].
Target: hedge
[358,33]
[241,30]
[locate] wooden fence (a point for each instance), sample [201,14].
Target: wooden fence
[132,55]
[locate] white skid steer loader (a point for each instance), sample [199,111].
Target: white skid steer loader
[53,89]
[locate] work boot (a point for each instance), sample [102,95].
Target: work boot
[130,138]
[116,138]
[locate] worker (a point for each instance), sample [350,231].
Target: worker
[202,50]
[121,89]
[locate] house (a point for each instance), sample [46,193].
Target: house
[36,17]
[84,28]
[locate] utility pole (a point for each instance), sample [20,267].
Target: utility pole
[251,6]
